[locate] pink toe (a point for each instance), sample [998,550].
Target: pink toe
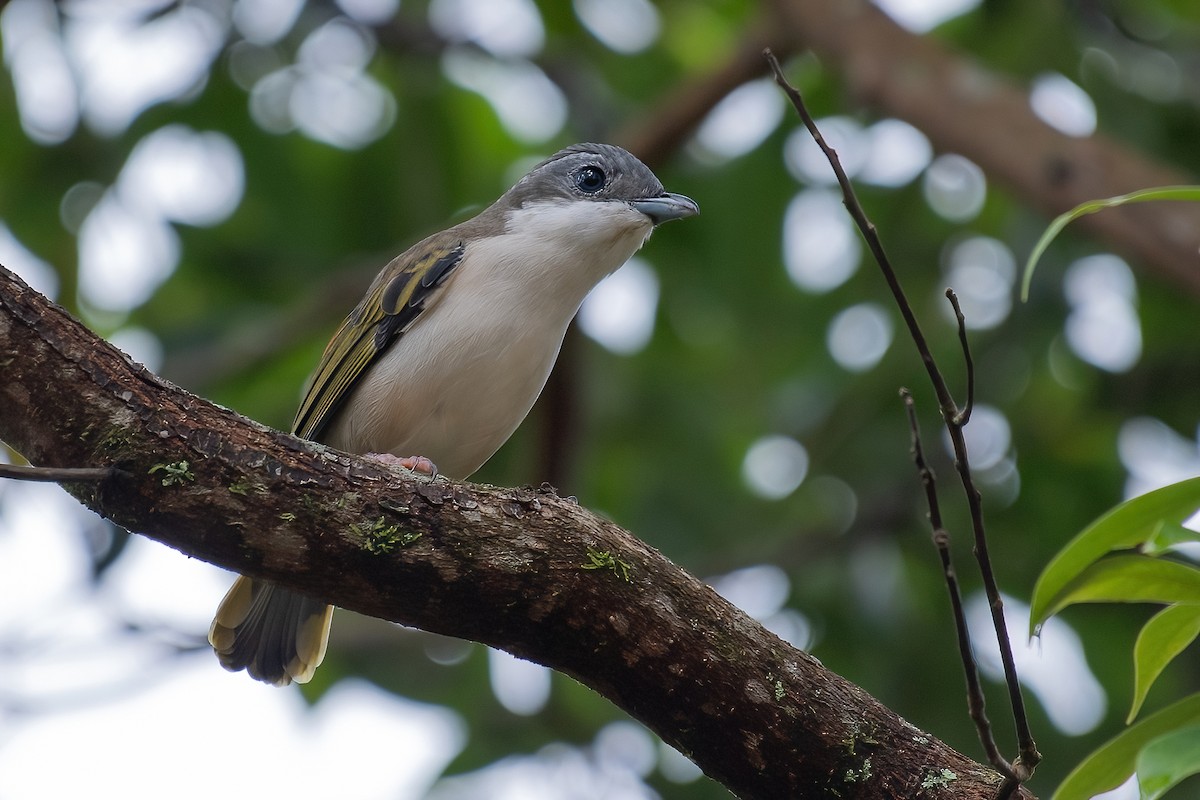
[419,464]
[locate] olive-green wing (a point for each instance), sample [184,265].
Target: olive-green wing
[396,298]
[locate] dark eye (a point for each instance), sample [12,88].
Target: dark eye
[589,179]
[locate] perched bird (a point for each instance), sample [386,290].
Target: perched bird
[448,351]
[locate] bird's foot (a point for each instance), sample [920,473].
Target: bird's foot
[419,464]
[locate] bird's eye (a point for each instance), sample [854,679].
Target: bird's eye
[589,179]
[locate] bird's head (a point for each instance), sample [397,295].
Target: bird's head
[601,188]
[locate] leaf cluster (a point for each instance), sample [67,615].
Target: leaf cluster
[1126,557]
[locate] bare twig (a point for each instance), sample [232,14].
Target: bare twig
[1028,758]
[56,474]
[964,415]
[1028,755]
[976,705]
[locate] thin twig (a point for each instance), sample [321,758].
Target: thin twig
[850,201]
[1029,756]
[57,474]
[976,704]
[964,416]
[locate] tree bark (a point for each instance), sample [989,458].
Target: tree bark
[519,569]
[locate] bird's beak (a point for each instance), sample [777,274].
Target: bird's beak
[668,206]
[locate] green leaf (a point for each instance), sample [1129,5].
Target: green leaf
[1168,535]
[1167,760]
[1165,636]
[1191,193]
[1131,579]
[1130,524]
[1112,764]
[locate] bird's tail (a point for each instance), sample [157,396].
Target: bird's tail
[276,635]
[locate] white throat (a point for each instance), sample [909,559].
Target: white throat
[558,250]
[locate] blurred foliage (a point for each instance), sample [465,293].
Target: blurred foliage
[657,439]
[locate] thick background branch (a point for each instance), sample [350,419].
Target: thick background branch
[963,108]
[523,570]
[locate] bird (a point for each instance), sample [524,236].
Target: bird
[446,354]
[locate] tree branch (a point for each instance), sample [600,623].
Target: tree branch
[53,474]
[656,136]
[519,569]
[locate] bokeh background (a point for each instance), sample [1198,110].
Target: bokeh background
[211,184]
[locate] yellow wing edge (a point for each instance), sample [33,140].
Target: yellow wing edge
[395,299]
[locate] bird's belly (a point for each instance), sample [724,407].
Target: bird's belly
[453,390]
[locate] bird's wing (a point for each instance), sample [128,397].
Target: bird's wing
[395,300]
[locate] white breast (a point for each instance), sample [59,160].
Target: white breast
[457,384]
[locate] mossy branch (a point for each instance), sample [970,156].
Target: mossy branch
[519,569]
